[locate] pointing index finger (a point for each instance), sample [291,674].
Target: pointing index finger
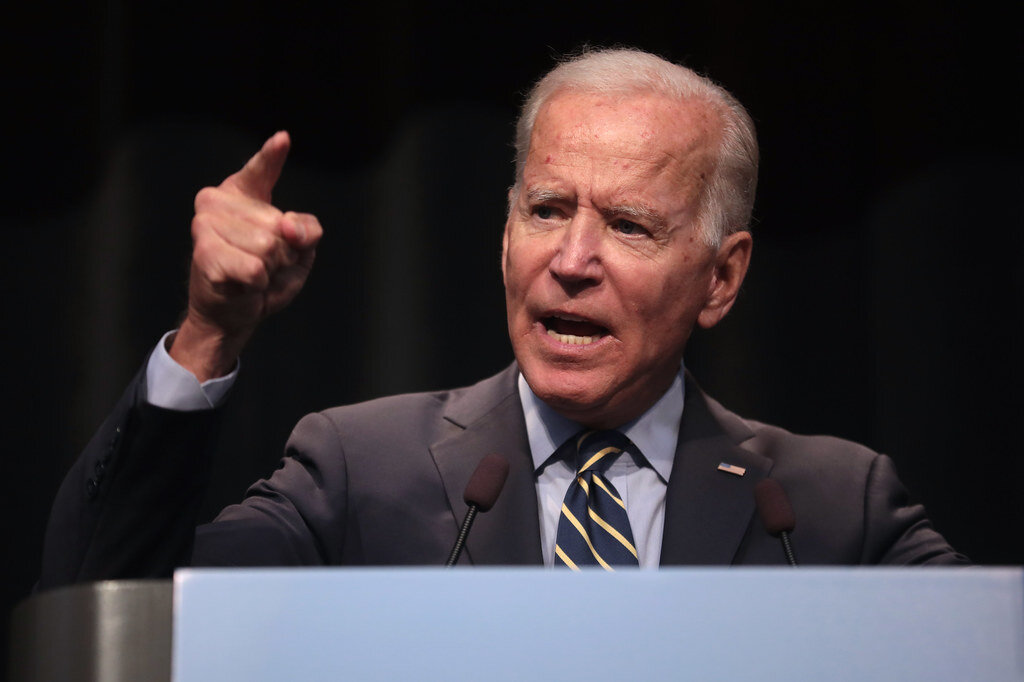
[259,175]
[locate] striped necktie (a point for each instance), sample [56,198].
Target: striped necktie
[593,529]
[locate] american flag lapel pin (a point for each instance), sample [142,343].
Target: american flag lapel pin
[732,469]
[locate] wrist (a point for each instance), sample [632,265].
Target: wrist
[206,350]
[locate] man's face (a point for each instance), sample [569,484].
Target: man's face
[605,271]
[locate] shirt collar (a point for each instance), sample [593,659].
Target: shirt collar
[655,432]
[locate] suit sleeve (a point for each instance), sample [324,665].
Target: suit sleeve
[297,517]
[897,532]
[129,505]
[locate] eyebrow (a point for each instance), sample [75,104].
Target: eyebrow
[542,194]
[639,211]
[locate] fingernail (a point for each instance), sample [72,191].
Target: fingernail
[300,230]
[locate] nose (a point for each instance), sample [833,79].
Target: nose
[577,259]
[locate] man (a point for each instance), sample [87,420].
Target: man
[627,227]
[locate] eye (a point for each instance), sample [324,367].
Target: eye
[628,227]
[544,212]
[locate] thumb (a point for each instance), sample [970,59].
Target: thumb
[259,175]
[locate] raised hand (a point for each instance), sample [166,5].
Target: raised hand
[249,260]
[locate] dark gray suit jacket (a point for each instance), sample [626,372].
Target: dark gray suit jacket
[380,483]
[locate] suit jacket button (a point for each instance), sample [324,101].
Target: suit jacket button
[91,488]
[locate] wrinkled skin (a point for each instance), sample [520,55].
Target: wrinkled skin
[605,271]
[249,260]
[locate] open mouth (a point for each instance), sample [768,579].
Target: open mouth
[573,330]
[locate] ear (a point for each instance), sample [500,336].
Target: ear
[513,195]
[504,249]
[731,263]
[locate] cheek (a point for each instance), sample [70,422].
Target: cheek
[646,291]
[517,283]
[520,266]
[664,306]
[509,273]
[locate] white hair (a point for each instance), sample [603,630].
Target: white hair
[727,198]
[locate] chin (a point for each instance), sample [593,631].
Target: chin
[572,392]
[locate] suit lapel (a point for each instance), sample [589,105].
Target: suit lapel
[707,511]
[486,418]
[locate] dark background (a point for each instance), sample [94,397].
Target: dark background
[883,303]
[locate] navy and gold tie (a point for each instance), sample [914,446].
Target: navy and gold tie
[593,529]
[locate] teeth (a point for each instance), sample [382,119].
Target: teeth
[572,339]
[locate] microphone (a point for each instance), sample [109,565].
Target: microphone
[776,513]
[481,493]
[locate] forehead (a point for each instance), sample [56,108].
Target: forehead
[633,138]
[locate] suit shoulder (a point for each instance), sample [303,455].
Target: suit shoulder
[820,461]
[849,497]
[776,442]
[819,472]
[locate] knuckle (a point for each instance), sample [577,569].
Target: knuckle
[253,271]
[200,224]
[200,253]
[204,197]
[263,241]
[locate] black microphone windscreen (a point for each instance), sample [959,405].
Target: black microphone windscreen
[486,482]
[774,507]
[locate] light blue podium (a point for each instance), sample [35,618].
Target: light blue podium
[523,624]
[518,624]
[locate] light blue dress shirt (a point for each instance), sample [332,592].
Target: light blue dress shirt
[642,485]
[171,386]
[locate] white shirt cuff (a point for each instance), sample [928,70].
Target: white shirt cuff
[171,386]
